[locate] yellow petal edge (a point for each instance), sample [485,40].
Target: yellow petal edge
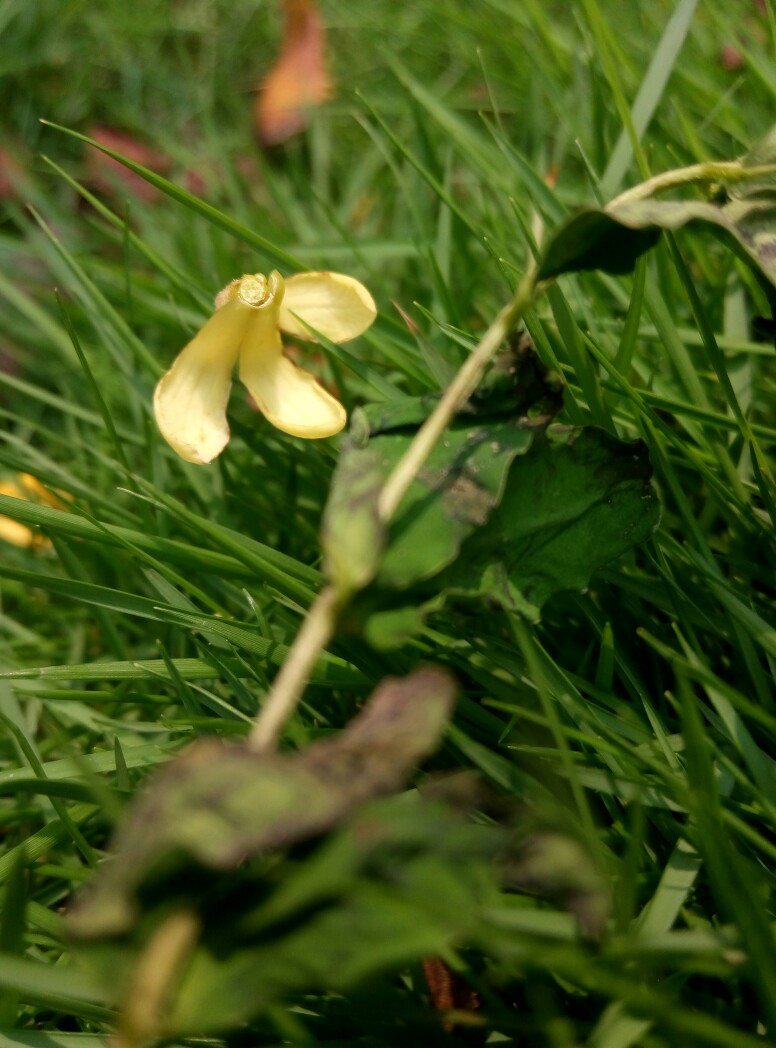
[289,397]
[337,306]
[190,400]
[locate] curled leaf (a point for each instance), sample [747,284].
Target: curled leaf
[612,238]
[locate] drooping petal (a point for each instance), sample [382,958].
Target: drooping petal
[337,306]
[289,397]
[190,400]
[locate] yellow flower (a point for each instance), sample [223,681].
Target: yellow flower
[25,486]
[190,400]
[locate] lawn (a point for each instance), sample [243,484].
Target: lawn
[453,724]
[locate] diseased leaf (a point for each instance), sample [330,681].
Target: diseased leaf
[456,490]
[403,880]
[612,238]
[498,511]
[218,805]
[454,493]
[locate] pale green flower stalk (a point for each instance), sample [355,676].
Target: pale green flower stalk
[321,619]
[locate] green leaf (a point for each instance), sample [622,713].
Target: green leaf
[571,506]
[575,502]
[455,492]
[280,568]
[12,927]
[330,670]
[352,534]
[595,239]
[36,981]
[393,627]
[218,805]
[401,882]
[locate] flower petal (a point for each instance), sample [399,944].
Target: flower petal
[190,400]
[18,534]
[335,305]
[289,397]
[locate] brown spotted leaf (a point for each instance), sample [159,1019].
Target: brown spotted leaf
[220,804]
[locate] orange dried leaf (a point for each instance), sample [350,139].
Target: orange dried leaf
[106,174]
[448,990]
[298,80]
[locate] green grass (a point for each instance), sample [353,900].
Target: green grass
[636,718]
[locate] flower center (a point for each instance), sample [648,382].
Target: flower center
[254,290]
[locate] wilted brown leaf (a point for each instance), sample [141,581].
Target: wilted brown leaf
[298,80]
[448,990]
[106,174]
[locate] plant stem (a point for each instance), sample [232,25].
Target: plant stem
[156,973]
[722,171]
[287,688]
[453,399]
[320,621]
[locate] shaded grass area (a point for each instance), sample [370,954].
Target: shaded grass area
[637,717]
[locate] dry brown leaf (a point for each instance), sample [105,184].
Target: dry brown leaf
[106,174]
[448,990]
[298,81]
